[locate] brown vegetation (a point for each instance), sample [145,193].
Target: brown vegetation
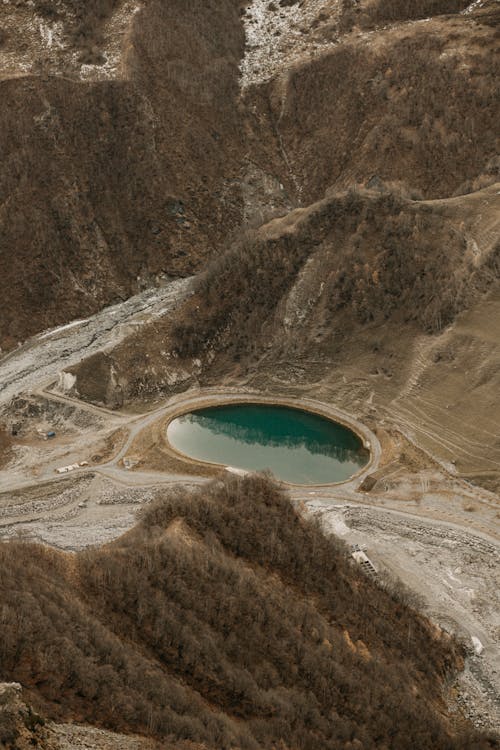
[369,13]
[382,258]
[108,186]
[226,618]
[326,282]
[104,187]
[20,727]
[417,103]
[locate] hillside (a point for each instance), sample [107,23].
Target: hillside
[22,728]
[226,618]
[412,101]
[272,202]
[118,173]
[386,304]
[133,150]
[380,125]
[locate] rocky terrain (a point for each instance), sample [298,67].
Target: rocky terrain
[21,728]
[138,139]
[279,200]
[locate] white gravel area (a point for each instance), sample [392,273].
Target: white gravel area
[456,576]
[277,35]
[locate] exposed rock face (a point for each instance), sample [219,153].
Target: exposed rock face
[99,376]
[9,693]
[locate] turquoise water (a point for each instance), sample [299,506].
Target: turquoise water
[296,446]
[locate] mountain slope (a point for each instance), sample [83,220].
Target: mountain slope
[415,102]
[109,183]
[390,303]
[129,152]
[227,619]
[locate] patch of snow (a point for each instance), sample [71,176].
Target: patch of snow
[238,472]
[51,34]
[114,30]
[99,72]
[478,646]
[66,381]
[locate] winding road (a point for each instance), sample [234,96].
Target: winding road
[413,540]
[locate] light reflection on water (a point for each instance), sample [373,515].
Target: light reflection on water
[297,446]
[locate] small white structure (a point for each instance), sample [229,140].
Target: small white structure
[66,469]
[364,561]
[477,645]
[71,467]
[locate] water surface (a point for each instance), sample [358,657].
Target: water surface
[297,446]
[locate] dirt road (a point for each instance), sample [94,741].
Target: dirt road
[447,555]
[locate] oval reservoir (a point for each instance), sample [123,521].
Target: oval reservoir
[297,446]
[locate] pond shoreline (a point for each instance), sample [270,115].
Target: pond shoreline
[309,406]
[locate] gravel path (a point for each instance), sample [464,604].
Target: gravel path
[456,576]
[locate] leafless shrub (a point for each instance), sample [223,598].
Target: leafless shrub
[374,12]
[226,619]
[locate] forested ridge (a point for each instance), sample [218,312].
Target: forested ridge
[226,618]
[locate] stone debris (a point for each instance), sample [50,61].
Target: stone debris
[456,577]
[41,358]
